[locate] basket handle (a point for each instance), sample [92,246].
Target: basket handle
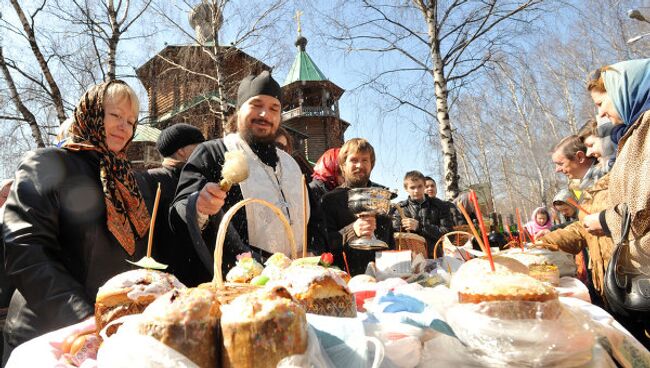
[442,238]
[402,215]
[223,227]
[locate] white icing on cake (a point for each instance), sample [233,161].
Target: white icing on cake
[503,283]
[141,283]
[182,307]
[256,306]
[299,279]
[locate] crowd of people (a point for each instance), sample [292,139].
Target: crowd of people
[76,212]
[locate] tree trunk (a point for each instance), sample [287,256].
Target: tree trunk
[506,176]
[484,162]
[13,91]
[442,109]
[112,42]
[55,93]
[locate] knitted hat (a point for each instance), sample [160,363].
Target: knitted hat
[177,136]
[255,85]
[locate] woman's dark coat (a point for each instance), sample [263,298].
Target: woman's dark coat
[58,249]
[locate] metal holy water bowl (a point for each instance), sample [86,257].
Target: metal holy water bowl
[369,200]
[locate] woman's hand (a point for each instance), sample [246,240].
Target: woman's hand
[592,224]
[542,233]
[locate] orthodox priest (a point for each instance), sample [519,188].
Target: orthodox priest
[273,176]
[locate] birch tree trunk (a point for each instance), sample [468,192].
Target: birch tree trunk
[20,106]
[54,92]
[450,159]
[112,41]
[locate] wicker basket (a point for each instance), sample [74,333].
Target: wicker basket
[413,242]
[451,235]
[226,292]
[251,344]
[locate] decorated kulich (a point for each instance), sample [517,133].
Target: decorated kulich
[275,266]
[320,290]
[245,269]
[545,272]
[518,295]
[186,321]
[130,292]
[259,329]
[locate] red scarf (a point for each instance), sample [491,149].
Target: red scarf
[327,168]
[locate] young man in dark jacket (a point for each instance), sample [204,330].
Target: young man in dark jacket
[449,208]
[175,144]
[423,216]
[356,159]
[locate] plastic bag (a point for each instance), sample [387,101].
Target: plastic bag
[565,341]
[613,337]
[404,352]
[45,350]
[401,342]
[314,357]
[344,341]
[127,348]
[133,350]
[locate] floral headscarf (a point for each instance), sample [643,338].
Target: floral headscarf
[125,210]
[628,85]
[327,168]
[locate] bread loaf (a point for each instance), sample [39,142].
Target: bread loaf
[130,293]
[261,328]
[186,321]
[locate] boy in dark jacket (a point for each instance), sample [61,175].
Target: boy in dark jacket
[423,216]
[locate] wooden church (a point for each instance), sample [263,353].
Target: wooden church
[182,88]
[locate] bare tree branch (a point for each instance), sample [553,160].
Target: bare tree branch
[53,86]
[20,106]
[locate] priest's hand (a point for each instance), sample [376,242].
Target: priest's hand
[211,199]
[364,226]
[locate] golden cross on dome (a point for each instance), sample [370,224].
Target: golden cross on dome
[297,18]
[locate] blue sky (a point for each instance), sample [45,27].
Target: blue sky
[400,138]
[399,145]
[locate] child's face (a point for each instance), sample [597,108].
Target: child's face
[541,218]
[415,189]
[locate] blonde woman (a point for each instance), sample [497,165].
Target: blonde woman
[73,216]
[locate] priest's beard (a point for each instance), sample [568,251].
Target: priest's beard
[263,147]
[248,136]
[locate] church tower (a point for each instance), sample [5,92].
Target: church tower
[310,105]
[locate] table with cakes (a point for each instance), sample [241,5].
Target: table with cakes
[520,307]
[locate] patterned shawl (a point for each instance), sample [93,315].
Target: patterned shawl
[125,209]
